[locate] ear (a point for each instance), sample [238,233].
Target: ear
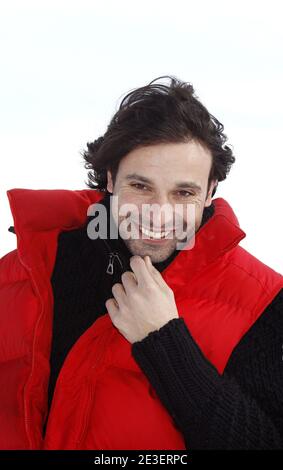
[109,182]
[208,200]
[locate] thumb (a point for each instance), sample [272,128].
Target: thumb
[148,263]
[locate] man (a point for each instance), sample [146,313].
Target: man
[133,343]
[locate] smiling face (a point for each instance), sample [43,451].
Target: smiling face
[169,175]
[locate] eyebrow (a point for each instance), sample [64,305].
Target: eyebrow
[179,184]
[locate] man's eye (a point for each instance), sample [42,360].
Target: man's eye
[185,193]
[139,185]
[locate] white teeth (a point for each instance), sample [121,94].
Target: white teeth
[154,234]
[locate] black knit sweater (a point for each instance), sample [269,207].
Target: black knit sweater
[243,408]
[240,409]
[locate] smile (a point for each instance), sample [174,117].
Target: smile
[154,235]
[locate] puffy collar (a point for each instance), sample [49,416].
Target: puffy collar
[47,209]
[219,235]
[38,213]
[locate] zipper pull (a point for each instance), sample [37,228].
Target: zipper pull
[110,268]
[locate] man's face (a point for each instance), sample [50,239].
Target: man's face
[172,174]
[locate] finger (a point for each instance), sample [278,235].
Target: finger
[112,308]
[140,270]
[129,281]
[119,293]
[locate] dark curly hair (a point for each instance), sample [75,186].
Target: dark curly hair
[154,114]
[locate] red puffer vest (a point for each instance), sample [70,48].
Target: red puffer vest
[102,400]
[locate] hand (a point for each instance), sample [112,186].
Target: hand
[143,302]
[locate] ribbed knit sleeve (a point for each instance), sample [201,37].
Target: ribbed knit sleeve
[241,409]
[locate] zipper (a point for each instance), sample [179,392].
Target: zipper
[90,390]
[112,256]
[110,267]
[27,417]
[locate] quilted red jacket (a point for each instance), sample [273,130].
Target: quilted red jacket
[102,399]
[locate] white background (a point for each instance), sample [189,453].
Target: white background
[66,65]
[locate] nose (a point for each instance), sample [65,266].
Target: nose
[161,199]
[161,212]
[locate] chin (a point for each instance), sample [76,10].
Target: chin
[157,256]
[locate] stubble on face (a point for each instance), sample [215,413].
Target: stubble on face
[164,164]
[159,252]
[156,252]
